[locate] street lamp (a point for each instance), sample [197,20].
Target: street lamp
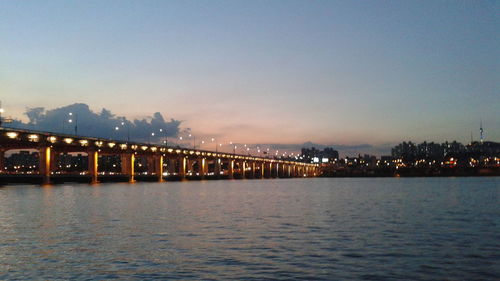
[76,121]
[166,137]
[213,140]
[194,140]
[128,129]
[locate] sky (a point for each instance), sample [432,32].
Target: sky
[341,73]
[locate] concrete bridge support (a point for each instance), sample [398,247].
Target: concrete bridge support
[217,168]
[93,157]
[282,171]
[268,169]
[252,169]
[159,167]
[44,165]
[182,167]
[201,167]
[243,169]
[128,162]
[230,167]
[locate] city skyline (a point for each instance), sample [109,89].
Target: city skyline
[331,73]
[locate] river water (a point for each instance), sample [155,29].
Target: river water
[281,229]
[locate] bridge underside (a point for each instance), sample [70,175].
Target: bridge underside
[101,160]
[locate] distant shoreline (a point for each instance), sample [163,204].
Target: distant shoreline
[414,172]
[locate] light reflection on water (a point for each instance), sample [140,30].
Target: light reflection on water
[387,228]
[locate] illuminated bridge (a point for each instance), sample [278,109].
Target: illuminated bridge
[155,162]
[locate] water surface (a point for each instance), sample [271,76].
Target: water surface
[289,229]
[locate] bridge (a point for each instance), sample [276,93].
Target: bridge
[161,162]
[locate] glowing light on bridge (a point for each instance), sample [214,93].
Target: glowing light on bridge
[52,139]
[12,135]
[68,140]
[33,138]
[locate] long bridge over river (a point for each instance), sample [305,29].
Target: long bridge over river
[163,162]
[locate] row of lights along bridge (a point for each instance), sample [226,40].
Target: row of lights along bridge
[181,140]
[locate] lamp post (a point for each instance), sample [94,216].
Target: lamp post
[234,147]
[194,140]
[128,129]
[180,139]
[213,140]
[166,137]
[152,135]
[76,121]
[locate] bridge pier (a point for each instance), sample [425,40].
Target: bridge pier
[217,168]
[230,167]
[159,167]
[243,169]
[93,157]
[251,164]
[127,163]
[44,165]
[201,167]
[182,167]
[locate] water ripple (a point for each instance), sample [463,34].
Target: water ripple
[311,229]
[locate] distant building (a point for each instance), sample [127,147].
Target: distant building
[313,155]
[22,161]
[405,150]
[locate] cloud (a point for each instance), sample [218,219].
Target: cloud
[101,124]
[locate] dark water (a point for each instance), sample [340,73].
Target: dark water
[290,229]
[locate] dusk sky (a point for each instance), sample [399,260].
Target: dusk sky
[329,72]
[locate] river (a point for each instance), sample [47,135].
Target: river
[281,229]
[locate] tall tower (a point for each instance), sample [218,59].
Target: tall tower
[481,131]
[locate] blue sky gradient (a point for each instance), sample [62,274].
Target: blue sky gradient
[330,72]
